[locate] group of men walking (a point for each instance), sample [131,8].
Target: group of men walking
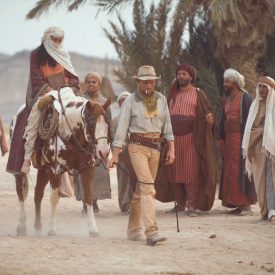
[184,121]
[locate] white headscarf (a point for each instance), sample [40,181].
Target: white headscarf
[268,144]
[235,76]
[56,51]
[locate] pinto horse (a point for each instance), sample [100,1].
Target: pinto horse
[82,135]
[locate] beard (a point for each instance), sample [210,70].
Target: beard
[227,92]
[183,82]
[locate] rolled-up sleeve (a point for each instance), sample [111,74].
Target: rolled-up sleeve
[167,127]
[123,124]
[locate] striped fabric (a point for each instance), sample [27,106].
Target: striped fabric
[185,167]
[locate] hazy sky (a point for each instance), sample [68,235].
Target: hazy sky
[83,32]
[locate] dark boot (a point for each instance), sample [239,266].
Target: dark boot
[152,241]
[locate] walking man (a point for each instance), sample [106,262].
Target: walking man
[193,174]
[145,116]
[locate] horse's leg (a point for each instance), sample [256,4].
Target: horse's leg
[41,182]
[87,177]
[55,182]
[22,185]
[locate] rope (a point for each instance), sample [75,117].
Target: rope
[48,123]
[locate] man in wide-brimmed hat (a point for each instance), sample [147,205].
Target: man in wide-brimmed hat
[144,115]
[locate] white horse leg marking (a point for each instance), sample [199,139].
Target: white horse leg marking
[21,228]
[91,221]
[54,201]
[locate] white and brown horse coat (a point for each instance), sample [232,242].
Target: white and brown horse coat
[82,134]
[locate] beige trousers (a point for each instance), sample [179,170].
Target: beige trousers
[145,162]
[31,130]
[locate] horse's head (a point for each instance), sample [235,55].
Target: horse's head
[98,128]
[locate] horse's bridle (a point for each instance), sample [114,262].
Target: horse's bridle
[74,137]
[103,137]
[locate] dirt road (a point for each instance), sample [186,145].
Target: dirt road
[213,243]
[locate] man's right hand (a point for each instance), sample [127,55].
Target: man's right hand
[112,162]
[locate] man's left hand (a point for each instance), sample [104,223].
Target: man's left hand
[170,158]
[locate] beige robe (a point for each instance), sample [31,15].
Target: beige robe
[259,160]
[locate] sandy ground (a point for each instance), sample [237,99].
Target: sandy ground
[240,245]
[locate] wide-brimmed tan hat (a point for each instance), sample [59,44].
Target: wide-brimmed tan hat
[146,73]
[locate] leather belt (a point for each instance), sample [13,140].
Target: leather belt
[154,142]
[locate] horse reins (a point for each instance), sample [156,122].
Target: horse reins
[75,139]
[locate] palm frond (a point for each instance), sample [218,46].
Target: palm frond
[43,6]
[111,5]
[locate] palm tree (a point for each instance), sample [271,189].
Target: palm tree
[155,40]
[240,27]
[149,42]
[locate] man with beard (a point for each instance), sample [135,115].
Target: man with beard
[145,116]
[259,146]
[193,174]
[236,190]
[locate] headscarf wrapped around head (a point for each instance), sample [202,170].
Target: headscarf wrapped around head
[268,142]
[56,51]
[93,74]
[234,76]
[188,68]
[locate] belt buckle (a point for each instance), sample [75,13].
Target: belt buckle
[155,142]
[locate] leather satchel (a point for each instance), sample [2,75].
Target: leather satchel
[182,125]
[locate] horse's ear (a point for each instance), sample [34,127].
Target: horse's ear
[107,103]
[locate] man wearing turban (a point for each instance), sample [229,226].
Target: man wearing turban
[193,173]
[50,69]
[236,190]
[259,146]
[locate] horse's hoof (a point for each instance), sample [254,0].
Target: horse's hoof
[94,234]
[51,233]
[21,231]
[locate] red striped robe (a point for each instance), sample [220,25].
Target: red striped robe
[185,167]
